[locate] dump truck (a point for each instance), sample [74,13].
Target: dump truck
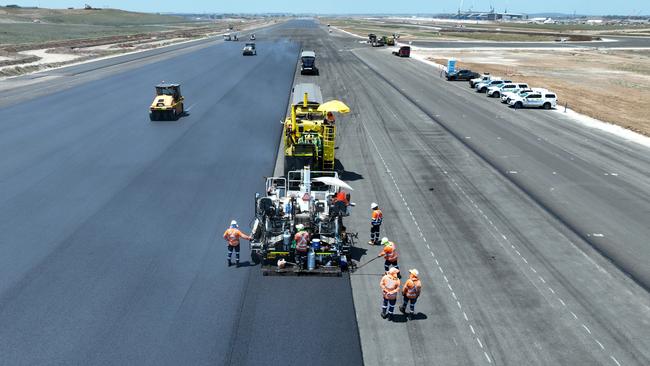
[307,198]
[309,136]
[167,104]
[308,63]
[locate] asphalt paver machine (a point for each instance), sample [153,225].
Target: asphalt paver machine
[303,197]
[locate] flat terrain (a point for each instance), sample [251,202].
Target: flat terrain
[529,230]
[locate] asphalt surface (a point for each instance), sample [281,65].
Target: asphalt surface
[529,231]
[111,250]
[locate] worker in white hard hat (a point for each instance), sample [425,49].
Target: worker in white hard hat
[376,219]
[390,288]
[232,235]
[411,292]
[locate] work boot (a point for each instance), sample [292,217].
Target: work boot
[410,315]
[390,317]
[383,315]
[371,243]
[237,264]
[402,309]
[229,263]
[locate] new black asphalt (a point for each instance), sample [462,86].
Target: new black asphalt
[111,248]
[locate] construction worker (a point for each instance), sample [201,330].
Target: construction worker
[375,223]
[302,244]
[411,292]
[232,235]
[329,118]
[389,287]
[389,252]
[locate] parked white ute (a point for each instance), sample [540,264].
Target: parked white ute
[496,91]
[545,100]
[480,79]
[505,97]
[483,87]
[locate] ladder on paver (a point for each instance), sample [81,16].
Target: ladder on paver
[329,140]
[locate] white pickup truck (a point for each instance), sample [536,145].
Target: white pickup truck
[496,91]
[480,79]
[483,87]
[505,97]
[546,100]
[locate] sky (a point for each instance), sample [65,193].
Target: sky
[589,7]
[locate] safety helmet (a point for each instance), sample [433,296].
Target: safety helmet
[384,240]
[233,223]
[414,272]
[300,227]
[393,270]
[374,206]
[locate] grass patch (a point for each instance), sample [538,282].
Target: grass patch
[39,32]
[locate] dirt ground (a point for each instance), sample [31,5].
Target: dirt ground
[609,85]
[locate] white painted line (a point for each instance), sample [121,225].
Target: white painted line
[550,289]
[453,294]
[458,303]
[533,269]
[525,261]
[472,329]
[465,316]
[487,357]
[446,279]
[542,279]
[615,360]
[562,302]
[479,342]
[587,329]
[450,289]
[600,344]
[574,315]
[441,271]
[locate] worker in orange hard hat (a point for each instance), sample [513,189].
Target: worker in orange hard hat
[389,252]
[376,219]
[389,287]
[232,235]
[411,292]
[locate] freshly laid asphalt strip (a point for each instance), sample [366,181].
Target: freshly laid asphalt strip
[111,250]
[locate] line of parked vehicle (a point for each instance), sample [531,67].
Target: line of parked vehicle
[516,95]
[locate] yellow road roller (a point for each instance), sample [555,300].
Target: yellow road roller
[167,105]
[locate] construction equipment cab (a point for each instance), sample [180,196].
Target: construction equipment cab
[309,134]
[308,63]
[167,104]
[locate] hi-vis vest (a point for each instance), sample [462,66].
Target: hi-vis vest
[390,284]
[302,241]
[412,288]
[232,236]
[377,217]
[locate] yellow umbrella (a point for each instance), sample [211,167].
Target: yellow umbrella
[334,106]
